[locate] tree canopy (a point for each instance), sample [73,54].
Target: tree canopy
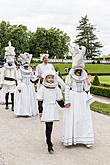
[86,37]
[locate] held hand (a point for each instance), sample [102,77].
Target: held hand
[67,105]
[89,79]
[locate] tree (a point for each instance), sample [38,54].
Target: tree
[96,81]
[87,38]
[52,40]
[4,35]
[20,38]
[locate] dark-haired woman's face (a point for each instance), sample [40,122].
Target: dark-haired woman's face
[78,72]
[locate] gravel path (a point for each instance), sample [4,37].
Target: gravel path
[22,143]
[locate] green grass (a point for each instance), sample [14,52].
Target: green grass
[100,107]
[104,79]
[91,68]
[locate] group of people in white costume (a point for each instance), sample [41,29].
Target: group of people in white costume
[77,121]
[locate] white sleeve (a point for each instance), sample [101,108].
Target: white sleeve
[18,78]
[2,76]
[40,93]
[67,89]
[61,83]
[59,94]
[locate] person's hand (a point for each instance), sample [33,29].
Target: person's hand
[40,115]
[89,79]
[67,105]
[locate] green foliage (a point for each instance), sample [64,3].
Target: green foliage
[19,38]
[4,35]
[42,40]
[96,81]
[100,107]
[87,37]
[101,91]
[52,40]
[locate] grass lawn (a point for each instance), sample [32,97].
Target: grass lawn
[104,79]
[100,107]
[91,68]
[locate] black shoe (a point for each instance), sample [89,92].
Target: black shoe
[50,150]
[6,107]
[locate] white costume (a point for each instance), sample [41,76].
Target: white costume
[49,95]
[2,94]
[9,72]
[77,128]
[42,68]
[25,97]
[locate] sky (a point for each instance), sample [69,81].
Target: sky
[63,14]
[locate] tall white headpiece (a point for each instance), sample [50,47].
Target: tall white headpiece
[77,56]
[10,53]
[25,58]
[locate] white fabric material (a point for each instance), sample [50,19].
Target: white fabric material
[10,53]
[42,68]
[77,55]
[2,94]
[25,58]
[8,71]
[77,127]
[49,97]
[25,102]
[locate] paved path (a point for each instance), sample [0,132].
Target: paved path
[102,99]
[22,143]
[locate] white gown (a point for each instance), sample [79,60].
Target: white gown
[49,98]
[2,94]
[25,102]
[77,126]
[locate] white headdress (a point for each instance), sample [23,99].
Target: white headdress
[43,55]
[25,58]
[10,53]
[78,56]
[78,61]
[45,83]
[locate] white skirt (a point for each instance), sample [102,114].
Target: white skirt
[2,97]
[25,102]
[50,112]
[9,88]
[77,126]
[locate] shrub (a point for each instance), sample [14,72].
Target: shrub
[101,91]
[96,81]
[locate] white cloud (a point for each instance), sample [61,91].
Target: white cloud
[64,14]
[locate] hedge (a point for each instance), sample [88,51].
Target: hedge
[100,90]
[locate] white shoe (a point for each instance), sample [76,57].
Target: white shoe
[88,145]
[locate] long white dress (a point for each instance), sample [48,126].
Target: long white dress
[2,94]
[25,101]
[49,97]
[77,126]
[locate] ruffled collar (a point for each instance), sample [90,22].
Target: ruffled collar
[26,71]
[48,85]
[10,67]
[78,78]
